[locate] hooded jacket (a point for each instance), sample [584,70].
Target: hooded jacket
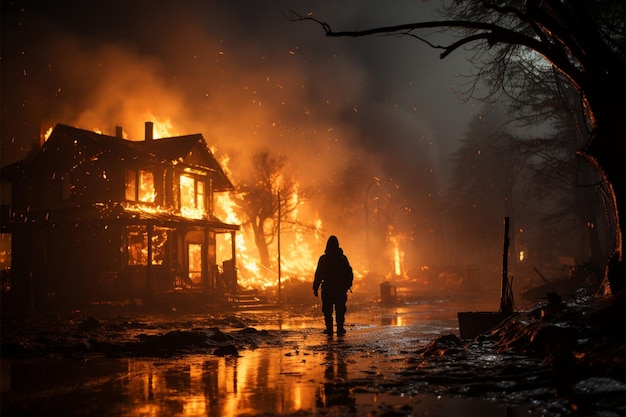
[333,272]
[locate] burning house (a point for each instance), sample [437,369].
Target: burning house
[97,217]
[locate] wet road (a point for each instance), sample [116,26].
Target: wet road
[293,369]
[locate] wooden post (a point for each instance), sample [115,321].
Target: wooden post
[278,249]
[506,296]
[149,277]
[206,281]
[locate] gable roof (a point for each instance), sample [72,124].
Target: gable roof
[190,150]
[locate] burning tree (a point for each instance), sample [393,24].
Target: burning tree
[583,40]
[265,193]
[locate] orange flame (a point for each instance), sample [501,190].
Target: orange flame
[398,255]
[161,128]
[298,248]
[48,133]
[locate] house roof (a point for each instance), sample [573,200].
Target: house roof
[190,150]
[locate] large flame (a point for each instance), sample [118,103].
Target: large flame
[397,256]
[162,128]
[298,257]
[300,245]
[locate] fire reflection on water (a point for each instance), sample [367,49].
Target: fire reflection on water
[218,386]
[296,369]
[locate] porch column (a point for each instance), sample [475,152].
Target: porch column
[233,249]
[149,279]
[206,279]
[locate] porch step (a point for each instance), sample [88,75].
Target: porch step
[249,300]
[246,297]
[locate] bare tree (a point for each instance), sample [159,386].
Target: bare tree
[582,39]
[558,174]
[488,184]
[260,196]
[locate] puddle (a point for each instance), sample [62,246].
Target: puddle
[299,372]
[266,381]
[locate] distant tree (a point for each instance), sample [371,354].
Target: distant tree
[488,183]
[582,39]
[559,178]
[260,195]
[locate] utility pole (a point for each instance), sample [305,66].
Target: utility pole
[506,296]
[376,181]
[279,277]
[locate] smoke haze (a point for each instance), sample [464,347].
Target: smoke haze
[246,78]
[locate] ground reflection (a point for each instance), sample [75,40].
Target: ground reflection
[333,389]
[263,379]
[298,371]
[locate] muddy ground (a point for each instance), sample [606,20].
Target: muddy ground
[554,359]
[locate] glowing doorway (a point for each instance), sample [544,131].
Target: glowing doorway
[194,254]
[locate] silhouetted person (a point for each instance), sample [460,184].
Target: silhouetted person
[334,274]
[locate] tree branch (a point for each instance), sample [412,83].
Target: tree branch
[491,32]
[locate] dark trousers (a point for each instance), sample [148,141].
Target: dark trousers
[337,302]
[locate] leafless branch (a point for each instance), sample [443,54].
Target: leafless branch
[490,32]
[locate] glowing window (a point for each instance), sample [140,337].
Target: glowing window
[138,245]
[5,261]
[5,250]
[192,197]
[200,195]
[140,186]
[159,245]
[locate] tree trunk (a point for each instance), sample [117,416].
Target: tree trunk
[587,206]
[607,153]
[264,253]
[261,243]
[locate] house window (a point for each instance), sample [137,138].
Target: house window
[140,186]
[160,237]
[192,197]
[138,245]
[5,261]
